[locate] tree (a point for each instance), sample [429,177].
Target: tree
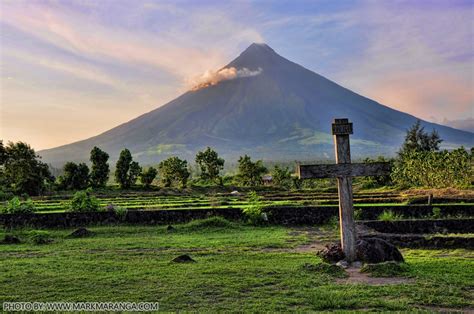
[100,168]
[174,171]
[23,172]
[148,176]
[75,177]
[210,164]
[134,173]
[250,173]
[281,177]
[127,170]
[418,140]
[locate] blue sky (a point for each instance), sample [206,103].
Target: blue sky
[73,69]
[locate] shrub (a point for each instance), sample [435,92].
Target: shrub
[389,215]
[15,206]
[40,237]
[254,211]
[436,212]
[433,169]
[121,212]
[83,201]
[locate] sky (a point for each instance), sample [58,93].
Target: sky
[73,69]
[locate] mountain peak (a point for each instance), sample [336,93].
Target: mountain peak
[257,55]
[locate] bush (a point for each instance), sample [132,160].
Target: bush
[254,211]
[388,215]
[15,206]
[436,213]
[40,237]
[433,169]
[121,212]
[83,201]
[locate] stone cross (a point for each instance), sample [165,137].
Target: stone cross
[344,170]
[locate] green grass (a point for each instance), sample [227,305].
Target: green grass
[239,268]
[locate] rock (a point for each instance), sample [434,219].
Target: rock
[343,264]
[81,233]
[10,239]
[183,259]
[332,253]
[235,193]
[170,228]
[376,250]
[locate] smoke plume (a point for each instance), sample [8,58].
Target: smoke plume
[211,77]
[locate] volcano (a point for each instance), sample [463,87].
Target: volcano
[281,112]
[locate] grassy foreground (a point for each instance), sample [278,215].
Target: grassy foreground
[238,268]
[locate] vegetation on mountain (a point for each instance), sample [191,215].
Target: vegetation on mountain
[21,170]
[210,165]
[174,172]
[126,170]
[100,168]
[147,176]
[75,177]
[250,173]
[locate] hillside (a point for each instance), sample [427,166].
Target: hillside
[282,113]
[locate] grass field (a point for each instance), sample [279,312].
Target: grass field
[238,268]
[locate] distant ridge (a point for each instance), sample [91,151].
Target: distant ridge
[282,113]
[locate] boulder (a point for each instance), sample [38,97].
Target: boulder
[183,259]
[376,250]
[81,233]
[170,228]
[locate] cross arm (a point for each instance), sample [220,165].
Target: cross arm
[343,170]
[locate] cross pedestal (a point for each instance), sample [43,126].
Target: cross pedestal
[344,170]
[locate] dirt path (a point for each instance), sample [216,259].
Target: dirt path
[356,277]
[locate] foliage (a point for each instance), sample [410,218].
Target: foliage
[16,206]
[83,201]
[174,171]
[436,213]
[126,170]
[388,215]
[250,173]
[121,212]
[281,177]
[417,140]
[210,164]
[147,176]
[433,169]
[134,172]
[75,177]
[22,171]
[100,168]
[254,211]
[40,237]
[377,181]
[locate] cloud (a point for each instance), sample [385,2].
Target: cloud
[173,50]
[415,59]
[211,77]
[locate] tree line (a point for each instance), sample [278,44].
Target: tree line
[419,163]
